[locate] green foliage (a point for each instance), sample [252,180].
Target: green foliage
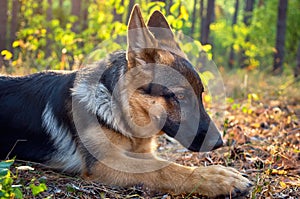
[64,41]
[7,179]
[7,189]
[292,32]
[58,44]
[37,189]
[257,40]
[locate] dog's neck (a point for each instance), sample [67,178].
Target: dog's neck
[95,87]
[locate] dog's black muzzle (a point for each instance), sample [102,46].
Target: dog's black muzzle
[198,136]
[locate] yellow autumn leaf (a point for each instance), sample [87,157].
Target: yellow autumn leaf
[279,172]
[268,171]
[14,63]
[282,184]
[183,13]
[249,111]
[236,47]
[203,79]
[208,75]
[207,98]
[254,96]
[296,151]
[207,47]
[255,125]
[7,55]
[282,172]
[15,44]
[209,56]
[43,31]
[170,18]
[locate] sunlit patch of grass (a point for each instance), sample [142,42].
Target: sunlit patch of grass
[240,83]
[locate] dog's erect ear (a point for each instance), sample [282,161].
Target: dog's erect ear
[136,20]
[162,31]
[139,40]
[157,20]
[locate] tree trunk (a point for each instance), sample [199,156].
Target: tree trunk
[179,10]
[168,7]
[61,3]
[297,69]
[247,21]
[76,10]
[49,18]
[234,20]
[248,12]
[280,37]
[117,17]
[194,18]
[211,11]
[210,15]
[130,6]
[39,10]
[3,24]
[203,20]
[236,10]
[14,22]
[49,11]
[85,14]
[260,3]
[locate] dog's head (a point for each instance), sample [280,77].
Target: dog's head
[166,89]
[153,90]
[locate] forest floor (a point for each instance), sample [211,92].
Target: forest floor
[262,134]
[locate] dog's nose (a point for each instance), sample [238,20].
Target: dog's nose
[219,143]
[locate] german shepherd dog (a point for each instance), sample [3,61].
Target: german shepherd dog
[102,121]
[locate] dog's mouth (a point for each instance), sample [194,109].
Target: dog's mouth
[206,147]
[196,139]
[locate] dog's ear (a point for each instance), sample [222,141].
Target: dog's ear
[162,31]
[136,20]
[158,20]
[139,40]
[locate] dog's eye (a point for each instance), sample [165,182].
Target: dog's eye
[180,96]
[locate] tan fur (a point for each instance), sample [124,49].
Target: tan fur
[171,177]
[210,181]
[137,154]
[140,105]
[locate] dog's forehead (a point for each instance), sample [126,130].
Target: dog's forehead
[187,70]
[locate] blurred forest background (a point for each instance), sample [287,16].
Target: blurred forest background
[55,34]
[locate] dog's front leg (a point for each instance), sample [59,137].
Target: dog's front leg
[161,175]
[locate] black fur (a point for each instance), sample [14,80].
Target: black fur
[117,67]
[23,100]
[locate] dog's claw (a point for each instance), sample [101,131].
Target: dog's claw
[239,193]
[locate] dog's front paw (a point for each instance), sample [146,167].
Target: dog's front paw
[218,180]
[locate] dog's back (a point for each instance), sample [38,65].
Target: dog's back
[24,111]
